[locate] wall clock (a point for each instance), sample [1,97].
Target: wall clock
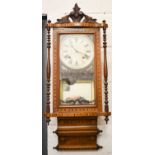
[77,80]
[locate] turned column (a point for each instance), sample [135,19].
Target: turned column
[106,106]
[48,73]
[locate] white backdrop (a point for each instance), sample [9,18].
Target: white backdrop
[21,72]
[101,10]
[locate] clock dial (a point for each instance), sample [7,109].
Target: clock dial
[76,50]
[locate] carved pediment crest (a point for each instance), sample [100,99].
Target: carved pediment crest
[76,16]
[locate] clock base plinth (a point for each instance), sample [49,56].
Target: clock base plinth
[77,133]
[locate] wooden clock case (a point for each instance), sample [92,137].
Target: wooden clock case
[77,124]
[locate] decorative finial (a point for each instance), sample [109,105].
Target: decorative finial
[76,7]
[106,119]
[49,21]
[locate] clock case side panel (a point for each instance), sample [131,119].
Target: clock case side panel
[80,110]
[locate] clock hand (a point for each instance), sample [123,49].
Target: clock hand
[83,54]
[77,51]
[74,49]
[86,56]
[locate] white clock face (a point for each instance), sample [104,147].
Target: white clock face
[76,50]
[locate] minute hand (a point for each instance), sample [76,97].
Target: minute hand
[77,51]
[83,54]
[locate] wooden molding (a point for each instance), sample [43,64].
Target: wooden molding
[77,114]
[76,24]
[80,147]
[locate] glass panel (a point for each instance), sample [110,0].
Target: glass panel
[77,69]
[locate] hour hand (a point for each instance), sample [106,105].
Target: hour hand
[86,56]
[74,48]
[77,51]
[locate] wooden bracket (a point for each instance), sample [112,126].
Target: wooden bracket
[77,133]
